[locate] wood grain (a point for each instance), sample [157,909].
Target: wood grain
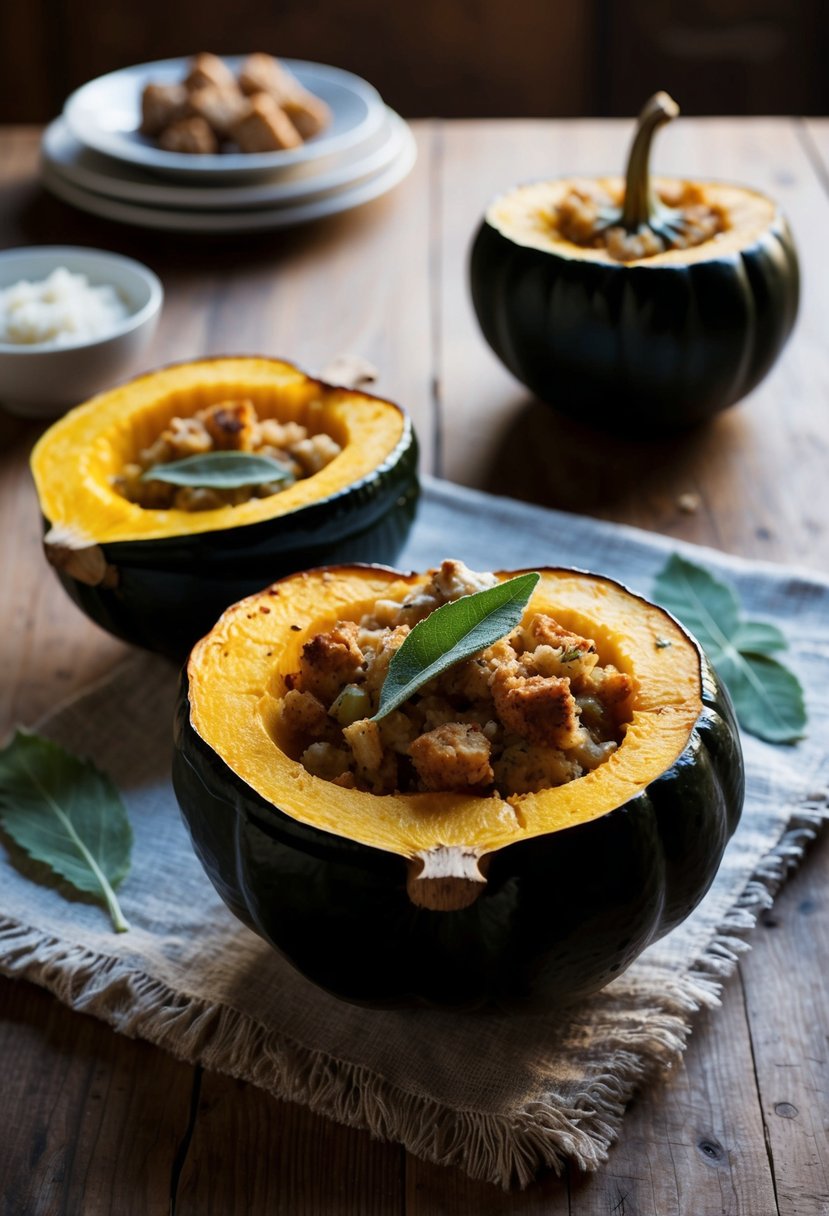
[790,1036]
[287,1162]
[102,1124]
[92,1121]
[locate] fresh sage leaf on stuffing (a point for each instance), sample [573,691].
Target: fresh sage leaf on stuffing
[452,633]
[64,812]
[220,471]
[767,696]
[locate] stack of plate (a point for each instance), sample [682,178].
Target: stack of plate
[94,157]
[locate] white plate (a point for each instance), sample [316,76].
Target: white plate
[105,115]
[80,166]
[235,222]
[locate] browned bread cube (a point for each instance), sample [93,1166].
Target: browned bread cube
[162,105]
[189,135]
[308,113]
[220,108]
[262,73]
[264,127]
[209,69]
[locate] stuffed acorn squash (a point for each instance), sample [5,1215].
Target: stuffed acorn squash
[468,894]
[155,564]
[636,305]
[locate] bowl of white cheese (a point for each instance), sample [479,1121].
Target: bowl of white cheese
[73,321]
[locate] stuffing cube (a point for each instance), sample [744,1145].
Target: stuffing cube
[262,73]
[309,114]
[161,106]
[219,107]
[189,135]
[209,69]
[263,127]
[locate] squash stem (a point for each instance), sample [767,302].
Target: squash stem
[640,205]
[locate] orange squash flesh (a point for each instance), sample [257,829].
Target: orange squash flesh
[236,679]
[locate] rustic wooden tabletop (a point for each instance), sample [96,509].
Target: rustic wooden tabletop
[95,1123]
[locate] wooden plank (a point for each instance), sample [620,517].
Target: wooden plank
[692,1142]
[498,437]
[92,1121]
[250,1154]
[434,1190]
[787,1000]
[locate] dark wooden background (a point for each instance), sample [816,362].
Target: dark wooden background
[454,58]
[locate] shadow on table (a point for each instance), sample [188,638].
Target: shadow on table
[34,217]
[541,456]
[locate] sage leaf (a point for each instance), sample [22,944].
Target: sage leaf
[220,471]
[758,637]
[64,812]
[452,633]
[709,608]
[767,696]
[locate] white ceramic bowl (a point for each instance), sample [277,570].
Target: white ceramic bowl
[43,380]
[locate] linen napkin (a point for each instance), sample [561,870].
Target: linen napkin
[500,1096]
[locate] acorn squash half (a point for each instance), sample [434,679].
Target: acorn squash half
[452,899]
[648,345]
[161,578]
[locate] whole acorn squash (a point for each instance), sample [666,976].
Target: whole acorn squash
[161,578]
[450,899]
[652,344]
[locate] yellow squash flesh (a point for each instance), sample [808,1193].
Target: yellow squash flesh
[74,462]
[236,679]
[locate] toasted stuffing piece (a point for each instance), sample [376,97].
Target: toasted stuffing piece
[261,73]
[265,110]
[453,757]
[231,425]
[541,709]
[534,710]
[303,714]
[263,127]
[224,426]
[331,660]
[588,215]
[207,69]
[219,107]
[161,106]
[189,135]
[308,113]
[523,768]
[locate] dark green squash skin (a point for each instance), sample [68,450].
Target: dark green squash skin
[171,591]
[561,915]
[636,348]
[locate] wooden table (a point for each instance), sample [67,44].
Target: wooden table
[94,1123]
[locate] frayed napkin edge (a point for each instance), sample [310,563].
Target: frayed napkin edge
[508,1150]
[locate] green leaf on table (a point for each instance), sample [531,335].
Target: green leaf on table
[64,812]
[767,696]
[452,633]
[758,637]
[709,608]
[220,471]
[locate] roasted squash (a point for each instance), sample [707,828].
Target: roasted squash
[160,578]
[654,343]
[452,899]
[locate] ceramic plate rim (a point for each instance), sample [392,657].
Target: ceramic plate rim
[239,222]
[171,195]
